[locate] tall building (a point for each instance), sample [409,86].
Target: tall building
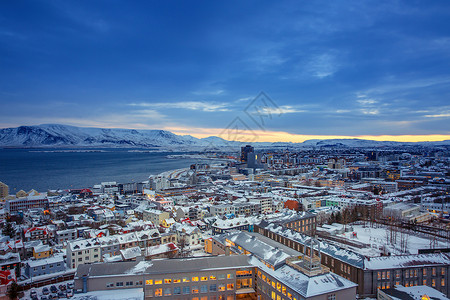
[245,151]
[4,190]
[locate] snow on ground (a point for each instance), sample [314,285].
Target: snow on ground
[377,238]
[125,294]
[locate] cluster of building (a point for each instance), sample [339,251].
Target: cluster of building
[265,225]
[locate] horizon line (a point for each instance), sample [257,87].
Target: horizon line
[270,136]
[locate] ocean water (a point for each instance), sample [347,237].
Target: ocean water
[43,169]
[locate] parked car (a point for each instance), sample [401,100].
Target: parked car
[69,293]
[54,296]
[53,289]
[70,285]
[62,294]
[45,291]
[44,297]
[62,287]
[33,293]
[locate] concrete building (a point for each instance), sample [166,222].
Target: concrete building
[4,190]
[219,277]
[155,216]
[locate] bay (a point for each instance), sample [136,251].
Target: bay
[44,169]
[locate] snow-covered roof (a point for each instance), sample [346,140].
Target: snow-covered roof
[402,261]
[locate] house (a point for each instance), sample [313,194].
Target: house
[44,233]
[63,236]
[45,266]
[82,252]
[156,216]
[42,251]
[190,235]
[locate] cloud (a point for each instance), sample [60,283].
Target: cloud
[284,109]
[444,115]
[209,93]
[322,66]
[189,105]
[367,101]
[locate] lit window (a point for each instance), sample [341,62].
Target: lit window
[158,293]
[176,280]
[212,277]
[204,278]
[185,279]
[230,276]
[194,289]
[158,281]
[167,280]
[230,286]
[221,287]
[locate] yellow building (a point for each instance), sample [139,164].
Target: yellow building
[4,190]
[42,251]
[208,245]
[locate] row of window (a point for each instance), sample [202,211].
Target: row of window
[275,285]
[188,279]
[51,266]
[386,285]
[187,290]
[410,273]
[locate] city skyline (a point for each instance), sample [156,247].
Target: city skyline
[371,70]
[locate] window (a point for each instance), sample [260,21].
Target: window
[186,290]
[442,271]
[167,280]
[194,289]
[424,282]
[185,279]
[129,283]
[379,275]
[167,292]
[204,278]
[108,285]
[221,287]
[177,290]
[221,276]
[442,282]
[176,280]
[158,281]
[279,286]
[283,290]
[230,286]
[433,282]
[274,297]
[149,282]
[424,272]
[119,283]
[203,289]
[388,274]
[158,293]
[433,271]
[212,277]
[194,278]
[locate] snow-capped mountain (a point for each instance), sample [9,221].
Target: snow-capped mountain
[54,135]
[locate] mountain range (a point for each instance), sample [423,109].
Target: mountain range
[56,135]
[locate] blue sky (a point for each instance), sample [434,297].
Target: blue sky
[330,68]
